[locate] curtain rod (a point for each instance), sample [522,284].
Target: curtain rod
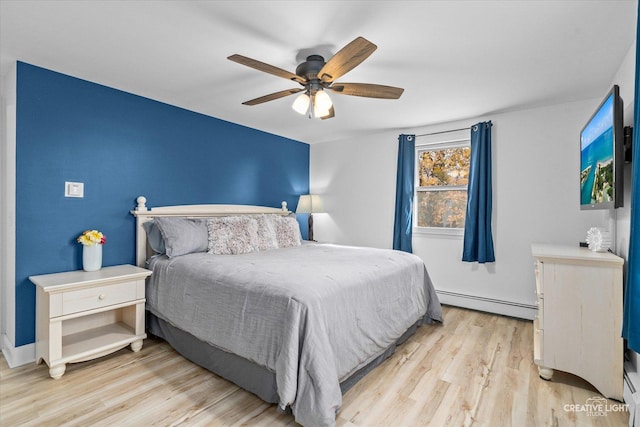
[444,131]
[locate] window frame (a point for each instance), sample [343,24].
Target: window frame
[439,144]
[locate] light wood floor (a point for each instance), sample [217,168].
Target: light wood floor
[475,370]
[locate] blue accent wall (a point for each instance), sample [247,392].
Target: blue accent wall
[123,146]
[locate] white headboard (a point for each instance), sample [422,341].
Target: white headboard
[144,214]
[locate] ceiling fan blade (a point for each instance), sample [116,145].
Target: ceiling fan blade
[367,90]
[346,59]
[332,113]
[272,96]
[261,66]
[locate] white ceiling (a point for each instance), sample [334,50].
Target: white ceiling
[455,59]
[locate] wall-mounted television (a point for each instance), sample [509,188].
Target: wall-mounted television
[602,155]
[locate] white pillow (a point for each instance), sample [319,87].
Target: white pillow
[232,235]
[267,238]
[287,231]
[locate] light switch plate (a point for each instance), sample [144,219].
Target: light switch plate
[73,189]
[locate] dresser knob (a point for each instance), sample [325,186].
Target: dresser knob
[102,296]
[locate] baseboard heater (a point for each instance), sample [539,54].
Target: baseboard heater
[491,305]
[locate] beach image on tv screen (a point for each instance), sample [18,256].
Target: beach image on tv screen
[596,157]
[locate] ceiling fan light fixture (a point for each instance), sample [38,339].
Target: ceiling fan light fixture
[322,101]
[301,104]
[319,113]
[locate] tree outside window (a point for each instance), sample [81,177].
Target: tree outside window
[441,190]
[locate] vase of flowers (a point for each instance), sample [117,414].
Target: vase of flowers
[92,241]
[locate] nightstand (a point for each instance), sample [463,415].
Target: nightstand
[83,315]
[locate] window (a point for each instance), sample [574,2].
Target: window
[442,174]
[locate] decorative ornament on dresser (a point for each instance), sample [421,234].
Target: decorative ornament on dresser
[598,239]
[92,241]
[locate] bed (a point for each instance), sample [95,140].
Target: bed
[235,290]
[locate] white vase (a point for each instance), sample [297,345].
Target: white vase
[92,257]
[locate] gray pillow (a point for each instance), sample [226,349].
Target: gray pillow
[183,235]
[154,237]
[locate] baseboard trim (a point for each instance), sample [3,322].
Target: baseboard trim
[631,393]
[490,305]
[18,356]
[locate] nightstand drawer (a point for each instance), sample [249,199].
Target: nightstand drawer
[96,297]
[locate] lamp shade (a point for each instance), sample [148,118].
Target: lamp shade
[310,204]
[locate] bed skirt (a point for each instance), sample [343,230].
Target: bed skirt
[240,371]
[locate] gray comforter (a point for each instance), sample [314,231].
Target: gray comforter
[313,314]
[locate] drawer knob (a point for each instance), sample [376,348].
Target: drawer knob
[102,296]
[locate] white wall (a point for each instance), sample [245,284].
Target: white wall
[535,164]
[357,180]
[7,212]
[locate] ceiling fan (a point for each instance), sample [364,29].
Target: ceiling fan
[317,76]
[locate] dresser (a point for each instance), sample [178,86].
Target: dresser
[579,320]
[84,315]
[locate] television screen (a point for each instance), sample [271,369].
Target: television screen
[601,162]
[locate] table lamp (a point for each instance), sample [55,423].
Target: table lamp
[310,204]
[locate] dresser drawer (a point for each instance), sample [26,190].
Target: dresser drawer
[96,297]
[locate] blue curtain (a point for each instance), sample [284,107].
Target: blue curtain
[631,319]
[478,241]
[404,193]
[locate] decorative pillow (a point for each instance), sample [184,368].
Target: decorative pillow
[266,232]
[287,231]
[154,237]
[232,235]
[183,235]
